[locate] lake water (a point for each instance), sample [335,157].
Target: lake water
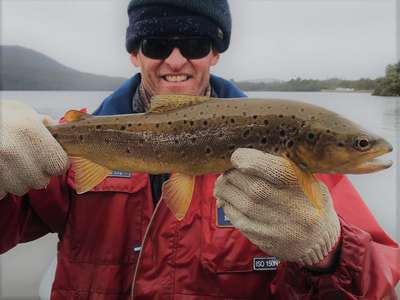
[378,114]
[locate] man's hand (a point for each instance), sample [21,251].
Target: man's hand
[262,198]
[29,155]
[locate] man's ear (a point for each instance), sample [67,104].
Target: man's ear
[214,57]
[135,59]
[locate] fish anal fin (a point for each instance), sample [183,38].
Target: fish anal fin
[164,103]
[87,174]
[177,193]
[75,115]
[310,186]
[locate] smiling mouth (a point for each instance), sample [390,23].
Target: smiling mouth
[176,78]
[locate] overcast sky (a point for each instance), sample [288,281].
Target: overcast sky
[271,39]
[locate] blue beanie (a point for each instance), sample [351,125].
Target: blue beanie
[148,18]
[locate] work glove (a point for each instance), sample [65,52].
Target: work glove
[29,155]
[262,198]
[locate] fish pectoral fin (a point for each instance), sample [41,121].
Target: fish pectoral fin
[164,103]
[87,174]
[310,186]
[75,115]
[177,193]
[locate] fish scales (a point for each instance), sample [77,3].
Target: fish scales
[189,136]
[200,138]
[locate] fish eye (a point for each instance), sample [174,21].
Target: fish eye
[362,144]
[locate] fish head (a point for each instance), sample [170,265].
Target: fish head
[340,147]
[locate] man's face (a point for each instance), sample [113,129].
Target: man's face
[175,74]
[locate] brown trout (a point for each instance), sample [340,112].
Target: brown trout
[190,135]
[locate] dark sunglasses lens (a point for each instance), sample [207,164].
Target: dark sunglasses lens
[195,48]
[156,48]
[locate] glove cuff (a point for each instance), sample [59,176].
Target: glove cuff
[324,245]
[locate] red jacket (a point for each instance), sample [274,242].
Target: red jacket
[101,232]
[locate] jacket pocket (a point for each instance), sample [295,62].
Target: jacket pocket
[233,261]
[105,225]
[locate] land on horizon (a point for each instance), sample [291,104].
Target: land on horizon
[26,69]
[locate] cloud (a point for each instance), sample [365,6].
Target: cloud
[278,39]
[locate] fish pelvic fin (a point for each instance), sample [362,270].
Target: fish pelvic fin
[87,174]
[177,193]
[75,115]
[164,103]
[309,185]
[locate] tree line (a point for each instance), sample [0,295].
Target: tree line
[385,86]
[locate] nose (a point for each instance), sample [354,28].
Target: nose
[175,60]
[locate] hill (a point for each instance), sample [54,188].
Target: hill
[25,69]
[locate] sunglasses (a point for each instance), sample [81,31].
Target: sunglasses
[190,47]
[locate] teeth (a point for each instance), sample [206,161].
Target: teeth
[176,78]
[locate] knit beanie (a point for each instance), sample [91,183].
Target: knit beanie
[158,18]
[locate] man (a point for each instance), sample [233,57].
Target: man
[120,241]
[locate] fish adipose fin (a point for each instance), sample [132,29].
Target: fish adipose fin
[164,103]
[87,174]
[75,115]
[310,186]
[177,193]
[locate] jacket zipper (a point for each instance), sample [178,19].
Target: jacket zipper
[142,245]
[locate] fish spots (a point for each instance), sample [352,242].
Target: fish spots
[169,123]
[311,137]
[264,140]
[123,127]
[232,120]
[205,123]
[255,117]
[208,150]
[98,126]
[191,123]
[193,140]
[246,133]
[139,124]
[266,122]
[280,116]
[157,125]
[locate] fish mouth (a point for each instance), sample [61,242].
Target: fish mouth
[370,162]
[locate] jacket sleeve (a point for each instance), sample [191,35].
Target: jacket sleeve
[368,266]
[32,216]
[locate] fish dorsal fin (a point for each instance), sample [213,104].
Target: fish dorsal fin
[164,103]
[75,115]
[87,174]
[310,186]
[177,193]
